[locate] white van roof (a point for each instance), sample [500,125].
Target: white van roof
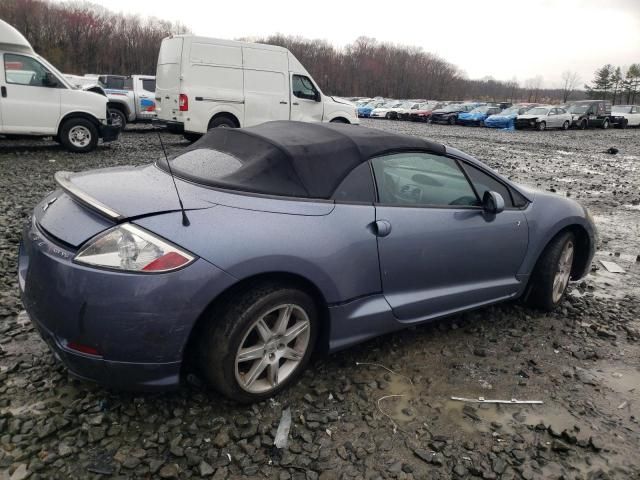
[12,40]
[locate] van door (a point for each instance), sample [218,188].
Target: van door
[306,99]
[266,85]
[168,79]
[30,96]
[145,90]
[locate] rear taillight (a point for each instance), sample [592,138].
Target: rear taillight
[183,103]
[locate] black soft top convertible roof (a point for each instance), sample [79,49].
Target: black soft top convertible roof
[295,159]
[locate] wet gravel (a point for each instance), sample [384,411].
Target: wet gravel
[352,418]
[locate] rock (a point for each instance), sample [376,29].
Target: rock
[559,446]
[595,443]
[64,450]
[480,352]
[221,474]
[205,469]
[221,439]
[169,471]
[20,473]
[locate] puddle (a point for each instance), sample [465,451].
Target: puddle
[478,417]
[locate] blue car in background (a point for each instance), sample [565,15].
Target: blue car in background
[506,118]
[365,112]
[478,115]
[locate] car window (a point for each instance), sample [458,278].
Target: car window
[484,182]
[149,84]
[357,186]
[421,179]
[304,88]
[22,70]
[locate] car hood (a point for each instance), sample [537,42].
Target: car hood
[342,101]
[443,112]
[471,116]
[501,117]
[528,117]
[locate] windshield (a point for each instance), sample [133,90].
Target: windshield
[622,108]
[538,111]
[579,108]
[453,108]
[57,73]
[484,109]
[511,111]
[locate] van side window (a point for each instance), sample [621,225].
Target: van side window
[303,88]
[21,70]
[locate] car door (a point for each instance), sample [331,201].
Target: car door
[30,102]
[145,90]
[306,99]
[439,251]
[634,116]
[552,118]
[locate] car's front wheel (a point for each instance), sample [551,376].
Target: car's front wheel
[259,342]
[552,273]
[542,126]
[565,125]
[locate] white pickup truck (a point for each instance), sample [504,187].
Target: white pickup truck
[131,98]
[36,99]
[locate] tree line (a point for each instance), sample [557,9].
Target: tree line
[621,86]
[80,38]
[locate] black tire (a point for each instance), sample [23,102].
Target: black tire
[339,120]
[227,327]
[192,136]
[79,135]
[565,125]
[541,285]
[542,126]
[624,123]
[222,122]
[583,125]
[605,124]
[451,120]
[117,118]
[388,116]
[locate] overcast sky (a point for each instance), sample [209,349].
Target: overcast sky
[498,38]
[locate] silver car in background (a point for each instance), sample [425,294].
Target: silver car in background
[543,117]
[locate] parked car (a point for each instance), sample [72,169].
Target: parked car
[123,286]
[405,113]
[449,114]
[594,113]
[384,111]
[477,116]
[365,111]
[544,117]
[630,112]
[506,118]
[423,113]
[36,99]
[204,83]
[131,98]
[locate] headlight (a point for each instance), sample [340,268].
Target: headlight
[130,248]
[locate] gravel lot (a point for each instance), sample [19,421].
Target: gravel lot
[362,421]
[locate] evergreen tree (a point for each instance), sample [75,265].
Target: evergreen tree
[602,82]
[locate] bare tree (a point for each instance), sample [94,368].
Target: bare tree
[570,81]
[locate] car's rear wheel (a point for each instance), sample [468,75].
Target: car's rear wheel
[552,273]
[605,124]
[452,120]
[259,342]
[583,125]
[542,126]
[117,118]
[565,125]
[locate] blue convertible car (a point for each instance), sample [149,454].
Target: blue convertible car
[285,238]
[507,118]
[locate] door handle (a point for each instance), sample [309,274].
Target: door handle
[295,103]
[4,91]
[283,103]
[381,228]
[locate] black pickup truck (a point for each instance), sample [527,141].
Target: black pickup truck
[594,113]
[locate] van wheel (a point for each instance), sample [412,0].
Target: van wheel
[192,136]
[79,135]
[338,120]
[583,125]
[259,342]
[117,118]
[221,122]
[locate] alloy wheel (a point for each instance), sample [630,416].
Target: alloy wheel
[272,349]
[79,136]
[563,272]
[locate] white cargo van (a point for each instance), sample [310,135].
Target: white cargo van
[202,83]
[36,99]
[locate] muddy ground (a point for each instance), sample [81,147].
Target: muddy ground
[353,418]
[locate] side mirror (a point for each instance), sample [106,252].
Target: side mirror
[492,202]
[318,97]
[50,80]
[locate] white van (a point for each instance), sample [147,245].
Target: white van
[202,83]
[36,99]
